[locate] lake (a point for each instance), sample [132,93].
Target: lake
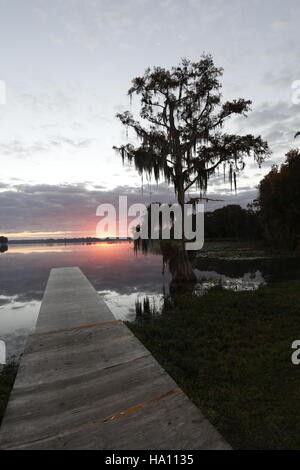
[119,275]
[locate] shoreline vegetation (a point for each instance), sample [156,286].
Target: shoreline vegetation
[231,354]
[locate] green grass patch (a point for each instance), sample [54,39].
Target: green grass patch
[231,353]
[7,378]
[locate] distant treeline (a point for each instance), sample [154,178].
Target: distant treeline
[233,221]
[273,217]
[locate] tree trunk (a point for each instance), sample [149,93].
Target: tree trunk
[179,263]
[181,267]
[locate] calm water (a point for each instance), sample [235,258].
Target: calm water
[119,275]
[113,268]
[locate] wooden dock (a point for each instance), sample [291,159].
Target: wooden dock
[86,382]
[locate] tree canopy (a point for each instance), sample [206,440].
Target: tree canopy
[181,127]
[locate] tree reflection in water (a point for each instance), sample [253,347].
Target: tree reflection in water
[178,261]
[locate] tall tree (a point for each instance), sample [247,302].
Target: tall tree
[180,129]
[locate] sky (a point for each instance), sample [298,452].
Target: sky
[67,65]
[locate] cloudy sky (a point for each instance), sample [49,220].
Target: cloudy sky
[67,65]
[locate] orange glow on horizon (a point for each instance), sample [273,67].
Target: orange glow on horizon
[109,248]
[34,235]
[46,235]
[57,234]
[62,248]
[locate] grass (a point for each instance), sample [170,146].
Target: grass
[7,378]
[231,353]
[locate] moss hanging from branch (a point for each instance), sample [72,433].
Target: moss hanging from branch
[180,127]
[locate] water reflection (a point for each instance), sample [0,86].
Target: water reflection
[120,276]
[209,279]
[112,268]
[123,306]
[271,269]
[230,272]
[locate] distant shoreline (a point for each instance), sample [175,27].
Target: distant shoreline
[67,241]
